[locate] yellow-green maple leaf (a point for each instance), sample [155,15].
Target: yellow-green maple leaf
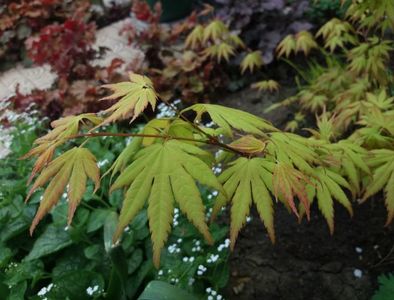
[162,174]
[227,118]
[195,37]
[63,128]
[215,30]
[135,95]
[72,168]
[286,46]
[382,163]
[247,181]
[252,61]
[266,85]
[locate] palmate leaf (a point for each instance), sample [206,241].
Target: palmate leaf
[227,118]
[247,181]
[350,157]
[266,85]
[161,174]
[252,61]
[382,163]
[195,37]
[326,186]
[135,95]
[220,51]
[73,167]
[214,30]
[62,130]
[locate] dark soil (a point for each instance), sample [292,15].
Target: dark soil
[306,262]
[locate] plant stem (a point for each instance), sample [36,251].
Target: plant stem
[211,141]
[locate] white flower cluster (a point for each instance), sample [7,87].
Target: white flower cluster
[175,218]
[188,259]
[217,169]
[166,111]
[102,163]
[225,245]
[248,219]
[201,270]
[173,248]
[45,290]
[91,290]
[197,246]
[213,258]
[212,294]
[174,280]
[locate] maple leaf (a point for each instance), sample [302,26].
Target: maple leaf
[251,61]
[286,46]
[247,181]
[164,173]
[125,156]
[326,186]
[135,95]
[266,85]
[62,130]
[195,37]
[382,163]
[73,168]
[351,159]
[215,30]
[288,183]
[305,42]
[227,118]
[220,51]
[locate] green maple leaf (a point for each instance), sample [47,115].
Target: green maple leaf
[62,130]
[135,95]
[252,61]
[73,167]
[247,181]
[382,163]
[162,174]
[227,118]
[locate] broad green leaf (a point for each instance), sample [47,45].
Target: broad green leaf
[159,290]
[53,239]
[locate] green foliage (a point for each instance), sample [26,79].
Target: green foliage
[350,91]
[60,262]
[386,288]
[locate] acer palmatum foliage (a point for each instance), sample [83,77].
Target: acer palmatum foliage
[162,165]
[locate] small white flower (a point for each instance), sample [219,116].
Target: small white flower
[359,249]
[208,290]
[160,272]
[179,241]
[185,259]
[191,281]
[210,297]
[358,273]
[219,297]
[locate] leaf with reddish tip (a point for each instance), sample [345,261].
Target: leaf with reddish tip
[71,168]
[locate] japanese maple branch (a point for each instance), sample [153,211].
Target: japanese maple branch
[210,141]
